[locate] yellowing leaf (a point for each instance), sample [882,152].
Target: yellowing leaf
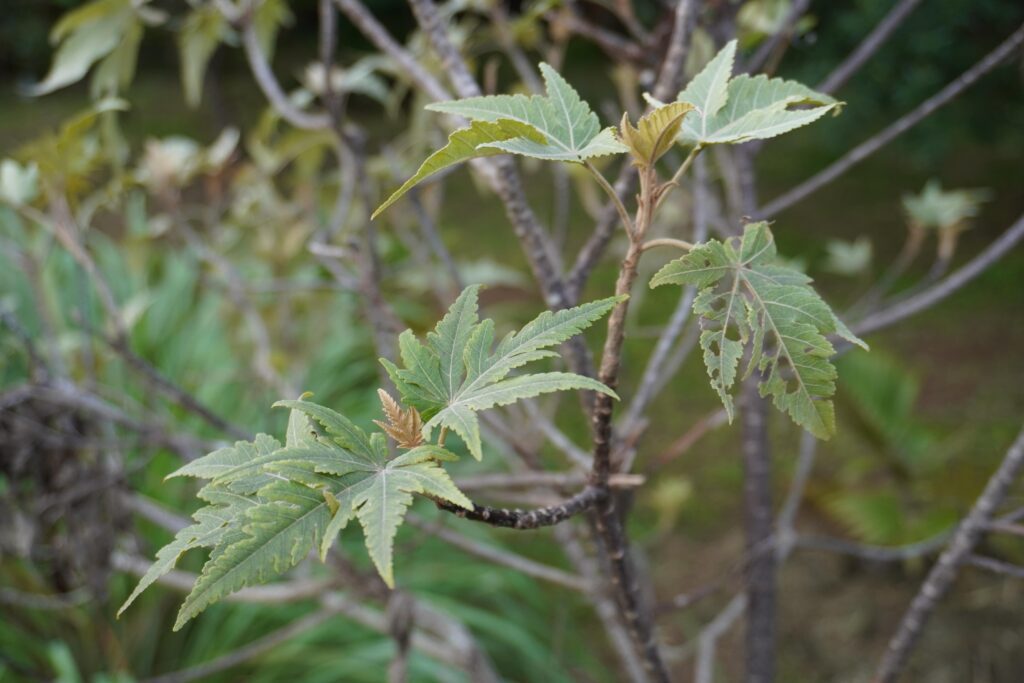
[655,132]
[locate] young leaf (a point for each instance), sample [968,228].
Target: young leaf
[457,374]
[377,493]
[655,132]
[403,425]
[735,110]
[747,302]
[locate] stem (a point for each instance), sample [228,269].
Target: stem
[441,436]
[666,242]
[664,190]
[610,191]
[607,520]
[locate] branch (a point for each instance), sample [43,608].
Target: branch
[945,287]
[272,90]
[183,398]
[902,125]
[542,479]
[757,522]
[254,649]
[768,47]
[997,566]
[941,577]
[501,557]
[874,40]
[874,553]
[529,519]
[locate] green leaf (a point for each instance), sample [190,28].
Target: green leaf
[464,144]
[457,373]
[571,129]
[707,92]
[225,463]
[735,110]
[86,35]
[747,302]
[275,536]
[201,33]
[212,524]
[557,126]
[19,184]
[339,427]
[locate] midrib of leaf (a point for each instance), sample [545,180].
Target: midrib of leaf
[783,349]
[204,594]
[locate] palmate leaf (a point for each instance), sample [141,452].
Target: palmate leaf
[213,522]
[734,110]
[270,506]
[557,126]
[459,371]
[377,491]
[274,536]
[464,144]
[748,303]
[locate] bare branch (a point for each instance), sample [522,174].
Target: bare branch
[252,650]
[874,553]
[900,126]
[945,287]
[271,88]
[502,557]
[529,519]
[997,566]
[872,42]
[769,47]
[943,574]
[709,636]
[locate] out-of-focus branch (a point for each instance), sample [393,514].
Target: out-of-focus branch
[156,379]
[271,88]
[870,45]
[943,574]
[943,288]
[768,48]
[502,557]
[250,651]
[900,126]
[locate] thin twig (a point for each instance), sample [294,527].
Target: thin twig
[255,649]
[529,519]
[944,288]
[502,557]
[768,48]
[271,88]
[900,126]
[870,45]
[943,574]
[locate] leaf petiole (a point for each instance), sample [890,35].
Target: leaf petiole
[610,191]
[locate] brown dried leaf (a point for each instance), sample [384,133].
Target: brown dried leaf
[403,425]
